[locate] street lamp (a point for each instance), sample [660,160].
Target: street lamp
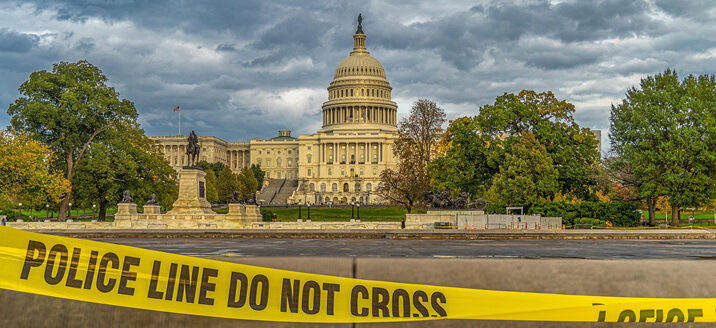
[299,212]
[47,211]
[358,210]
[70,218]
[352,207]
[19,206]
[309,211]
[93,207]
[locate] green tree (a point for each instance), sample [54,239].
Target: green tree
[467,160]
[68,109]
[665,131]
[216,167]
[124,160]
[226,184]
[259,174]
[573,150]
[414,148]
[25,173]
[212,196]
[247,183]
[527,177]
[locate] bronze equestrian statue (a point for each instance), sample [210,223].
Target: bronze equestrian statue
[192,149]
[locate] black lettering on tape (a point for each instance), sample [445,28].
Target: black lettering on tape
[103,286]
[31,260]
[401,296]
[330,289]
[254,303]
[168,294]
[127,275]
[289,295]
[602,316]
[308,307]
[645,314]
[659,315]
[380,300]
[419,297]
[627,316]
[675,314]
[694,313]
[358,289]
[153,292]
[436,299]
[61,267]
[207,286]
[240,278]
[90,270]
[187,283]
[72,272]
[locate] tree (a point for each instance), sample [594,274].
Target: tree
[414,147]
[666,132]
[216,166]
[247,183]
[573,150]
[212,196]
[125,159]
[527,177]
[259,174]
[467,159]
[226,185]
[68,109]
[25,172]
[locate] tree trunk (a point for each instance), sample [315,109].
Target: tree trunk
[62,212]
[102,211]
[675,215]
[651,204]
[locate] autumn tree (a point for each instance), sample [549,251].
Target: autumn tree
[527,177]
[25,170]
[414,147]
[665,131]
[212,196]
[68,109]
[259,174]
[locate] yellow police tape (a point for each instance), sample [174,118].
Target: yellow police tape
[112,274]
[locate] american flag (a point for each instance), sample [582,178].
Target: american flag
[176,109]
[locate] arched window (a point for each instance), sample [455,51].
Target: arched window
[290,162]
[311,187]
[368,187]
[308,159]
[351,92]
[334,187]
[278,162]
[345,187]
[362,92]
[357,186]
[278,175]
[380,185]
[323,187]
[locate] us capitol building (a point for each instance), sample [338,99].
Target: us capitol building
[340,163]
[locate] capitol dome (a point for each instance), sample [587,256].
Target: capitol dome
[360,94]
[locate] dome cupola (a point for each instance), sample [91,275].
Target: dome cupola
[359,92]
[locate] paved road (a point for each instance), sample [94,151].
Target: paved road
[577,249]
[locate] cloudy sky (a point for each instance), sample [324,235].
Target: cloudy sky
[243,69]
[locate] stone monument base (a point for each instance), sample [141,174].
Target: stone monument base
[192,193]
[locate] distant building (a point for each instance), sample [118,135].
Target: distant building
[598,137]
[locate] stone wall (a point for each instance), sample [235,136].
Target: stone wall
[477,220]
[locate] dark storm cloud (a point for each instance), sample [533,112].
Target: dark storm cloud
[243,69]
[11,41]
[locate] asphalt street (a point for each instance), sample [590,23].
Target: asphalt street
[525,249]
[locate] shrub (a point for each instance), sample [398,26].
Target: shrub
[619,213]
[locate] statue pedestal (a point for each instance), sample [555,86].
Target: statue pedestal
[152,209]
[192,193]
[126,213]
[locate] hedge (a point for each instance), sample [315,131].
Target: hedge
[620,214]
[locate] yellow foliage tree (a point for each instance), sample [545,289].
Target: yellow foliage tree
[25,172]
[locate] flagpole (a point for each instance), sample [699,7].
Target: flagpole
[180,122]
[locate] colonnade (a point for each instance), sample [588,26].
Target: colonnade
[351,152]
[175,154]
[359,114]
[237,159]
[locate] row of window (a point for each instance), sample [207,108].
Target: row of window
[268,152]
[267,162]
[341,93]
[361,172]
[345,187]
[367,70]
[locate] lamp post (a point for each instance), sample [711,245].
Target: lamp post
[19,206]
[352,207]
[93,208]
[299,212]
[70,218]
[358,210]
[309,211]
[47,211]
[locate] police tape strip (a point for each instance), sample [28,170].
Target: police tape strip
[126,276]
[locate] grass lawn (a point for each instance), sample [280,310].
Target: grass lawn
[684,216]
[77,214]
[341,214]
